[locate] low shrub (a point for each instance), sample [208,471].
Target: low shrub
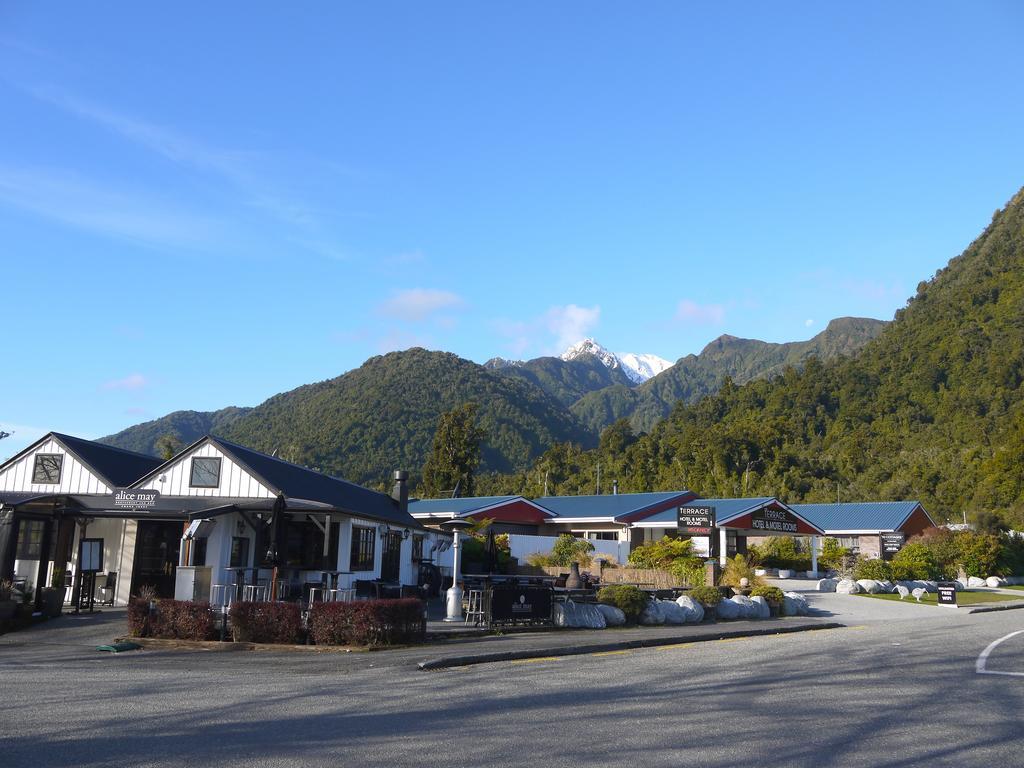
[628,599]
[739,568]
[266,622]
[138,618]
[707,596]
[567,550]
[879,570]
[369,622]
[182,620]
[771,594]
[977,553]
[832,555]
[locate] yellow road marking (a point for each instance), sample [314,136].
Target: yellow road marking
[732,639]
[674,645]
[532,661]
[611,653]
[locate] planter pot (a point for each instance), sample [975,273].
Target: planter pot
[574,581]
[785,573]
[811,574]
[760,572]
[53,601]
[7,609]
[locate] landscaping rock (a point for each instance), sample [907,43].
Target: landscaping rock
[761,606]
[652,615]
[848,587]
[672,612]
[578,615]
[887,586]
[827,585]
[870,586]
[930,586]
[974,581]
[727,609]
[613,617]
[995,582]
[746,606]
[694,611]
[962,584]
[1015,581]
[797,603]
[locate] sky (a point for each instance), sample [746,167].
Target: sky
[205,204]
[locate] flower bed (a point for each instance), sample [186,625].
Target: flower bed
[370,622]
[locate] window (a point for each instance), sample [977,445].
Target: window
[239,552]
[304,546]
[199,551]
[417,546]
[30,540]
[205,472]
[363,541]
[603,536]
[47,468]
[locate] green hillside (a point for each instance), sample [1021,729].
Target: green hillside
[696,376]
[933,409]
[186,426]
[565,380]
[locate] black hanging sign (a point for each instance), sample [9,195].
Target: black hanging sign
[947,593]
[695,521]
[134,498]
[891,543]
[774,521]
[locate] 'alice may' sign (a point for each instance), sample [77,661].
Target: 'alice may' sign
[133,498]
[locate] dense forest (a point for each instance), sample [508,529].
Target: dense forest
[932,409]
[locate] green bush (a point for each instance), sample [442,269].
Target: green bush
[739,568]
[673,555]
[977,553]
[628,599]
[706,596]
[915,561]
[771,594]
[690,573]
[832,555]
[1011,555]
[566,551]
[879,570]
[774,552]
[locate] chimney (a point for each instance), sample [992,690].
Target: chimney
[615,487]
[400,491]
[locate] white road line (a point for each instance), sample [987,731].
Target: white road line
[979,665]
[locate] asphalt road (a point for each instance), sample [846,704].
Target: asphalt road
[896,690]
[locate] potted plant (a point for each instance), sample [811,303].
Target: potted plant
[8,605]
[53,596]
[709,597]
[773,595]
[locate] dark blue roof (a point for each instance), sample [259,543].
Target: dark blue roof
[457,507]
[858,516]
[118,467]
[610,507]
[300,483]
[725,509]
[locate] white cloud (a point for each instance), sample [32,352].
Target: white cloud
[418,304]
[808,322]
[552,332]
[131,382]
[705,314]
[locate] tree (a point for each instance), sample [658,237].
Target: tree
[455,454]
[167,446]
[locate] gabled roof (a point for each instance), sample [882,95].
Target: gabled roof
[866,516]
[725,510]
[116,467]
[613,508]
[464,507]
[295,482]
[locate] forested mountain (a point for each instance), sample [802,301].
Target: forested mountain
[185,426]
[382,416]
[932,409]
[695,376]
[565,380]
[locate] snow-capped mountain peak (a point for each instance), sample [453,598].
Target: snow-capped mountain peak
[637,367]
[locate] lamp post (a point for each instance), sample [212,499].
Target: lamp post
[453,596]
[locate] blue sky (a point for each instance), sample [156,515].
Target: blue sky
[206,204]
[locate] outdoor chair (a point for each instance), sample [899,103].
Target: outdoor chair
[108,589]
[367,590]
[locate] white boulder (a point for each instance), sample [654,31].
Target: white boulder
[827,585]
[746,606]
[887,585]
[672,612]
[1015,581]
[870,586]
[930,586]
[795,604]
[761,607]
[995,582]
[694,611]
[848,587]
[961,584]
[613,616]
[974,581]
[578,616]
[652,615]
[727,609]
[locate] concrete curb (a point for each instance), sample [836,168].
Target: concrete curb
[579,650]
[997,607]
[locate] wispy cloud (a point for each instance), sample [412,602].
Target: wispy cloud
[96,207]
[132,383]
[418,304]
[552,332]
[689,311]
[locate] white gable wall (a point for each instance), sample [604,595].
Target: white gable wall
[74,476]
[234,481]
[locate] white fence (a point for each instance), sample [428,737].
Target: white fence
[523,545]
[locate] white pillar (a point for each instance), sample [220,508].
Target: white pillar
[723,547]
[454,594]
[814,554]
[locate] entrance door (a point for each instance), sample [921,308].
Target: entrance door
[156,556]
[391,557]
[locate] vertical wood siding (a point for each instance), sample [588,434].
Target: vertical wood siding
[234,481]
[74,476]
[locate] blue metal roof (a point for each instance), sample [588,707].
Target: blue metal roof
[858,516]
[456,507]
[610,507]
[725,509]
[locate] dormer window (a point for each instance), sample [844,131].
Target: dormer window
[47,468]
[205,472]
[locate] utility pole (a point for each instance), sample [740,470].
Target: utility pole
[599,478]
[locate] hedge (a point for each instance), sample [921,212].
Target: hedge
[266,623]
[171,620]
[368,622]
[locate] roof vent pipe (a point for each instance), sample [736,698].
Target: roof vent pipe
[400,490]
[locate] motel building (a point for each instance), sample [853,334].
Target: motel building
[211,521]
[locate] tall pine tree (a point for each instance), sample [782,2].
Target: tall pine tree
[455,455]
